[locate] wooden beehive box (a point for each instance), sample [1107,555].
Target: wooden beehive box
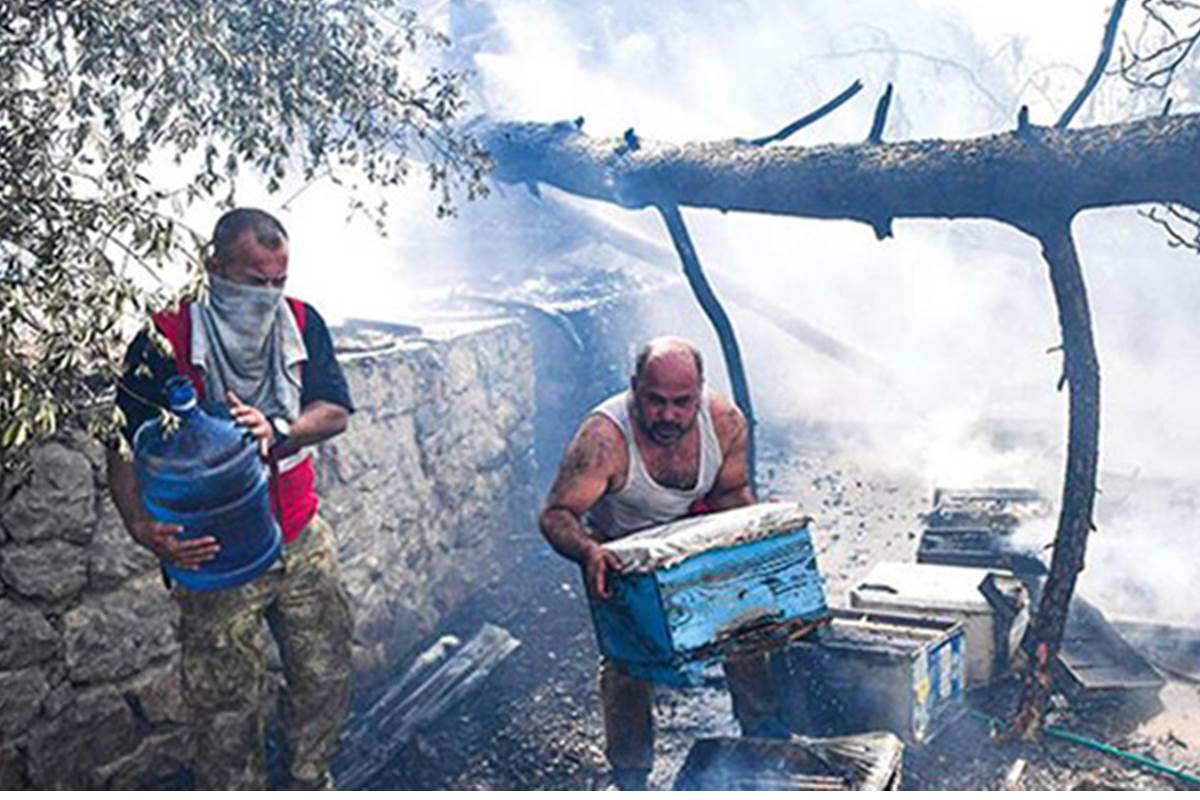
[863,763]
[867,671]
[700,590]
[992,605]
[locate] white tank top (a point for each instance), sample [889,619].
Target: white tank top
[642,502]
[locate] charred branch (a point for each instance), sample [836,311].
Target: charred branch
[1182,225]
[881,111]
[1023,122]
[1106,48]
[694,272]
[1018,179]
[808,119]
[1082,373]
[1155,57]
[629,142]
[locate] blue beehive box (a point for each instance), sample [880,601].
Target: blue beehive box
[700,590]
[868,671]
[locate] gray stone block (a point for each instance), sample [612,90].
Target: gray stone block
[158,693]
[59,700]
[96,729]
[382,385]
[462,368]
[25,636]
[117,634]
[59,500]
[12,768]
[113,557]
[157,757]
[44,570]
[21,695]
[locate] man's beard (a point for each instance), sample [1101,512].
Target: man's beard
[663,432]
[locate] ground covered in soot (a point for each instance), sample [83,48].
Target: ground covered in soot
[535,723]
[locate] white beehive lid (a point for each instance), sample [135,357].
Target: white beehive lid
[926,586]
[666,545]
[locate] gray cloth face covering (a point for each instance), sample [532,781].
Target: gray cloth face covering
[246,339]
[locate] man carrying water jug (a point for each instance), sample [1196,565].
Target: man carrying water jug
[267,361]
[663,450]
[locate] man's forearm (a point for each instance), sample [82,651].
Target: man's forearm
[735,498]
[161,538]
[320,420]
[123,486]
[564,531]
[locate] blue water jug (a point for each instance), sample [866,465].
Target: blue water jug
[207,476]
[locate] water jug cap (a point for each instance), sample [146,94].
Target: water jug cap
[181,396]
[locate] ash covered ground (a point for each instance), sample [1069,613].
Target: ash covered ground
[536,723]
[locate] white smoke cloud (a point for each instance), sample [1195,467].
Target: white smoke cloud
[959,313]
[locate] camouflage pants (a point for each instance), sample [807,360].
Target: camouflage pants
[224,667]
[629,709]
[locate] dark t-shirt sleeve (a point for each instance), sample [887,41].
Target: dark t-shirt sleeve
[323,376]
[141,393]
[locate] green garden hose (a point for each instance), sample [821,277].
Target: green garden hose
[1075,738]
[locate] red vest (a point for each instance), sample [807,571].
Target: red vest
[293,498]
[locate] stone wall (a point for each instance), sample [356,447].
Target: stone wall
[422,490]
[434,478]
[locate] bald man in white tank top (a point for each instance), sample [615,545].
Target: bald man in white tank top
[641,458]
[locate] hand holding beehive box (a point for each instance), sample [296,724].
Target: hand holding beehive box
[702,589]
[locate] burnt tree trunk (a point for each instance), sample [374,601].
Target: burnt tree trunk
[1035,179]
[1081,371]
[1008,176]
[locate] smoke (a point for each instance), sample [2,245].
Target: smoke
[959,314]
[1143,563]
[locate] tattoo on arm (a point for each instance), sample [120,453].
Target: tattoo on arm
[732,489]
[583,478]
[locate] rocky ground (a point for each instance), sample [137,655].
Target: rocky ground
[536,722]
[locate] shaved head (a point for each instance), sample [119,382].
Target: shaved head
[668,348]
[667,384]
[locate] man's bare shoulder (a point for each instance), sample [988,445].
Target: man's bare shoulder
[599,431]
[598,447]
[728,421]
